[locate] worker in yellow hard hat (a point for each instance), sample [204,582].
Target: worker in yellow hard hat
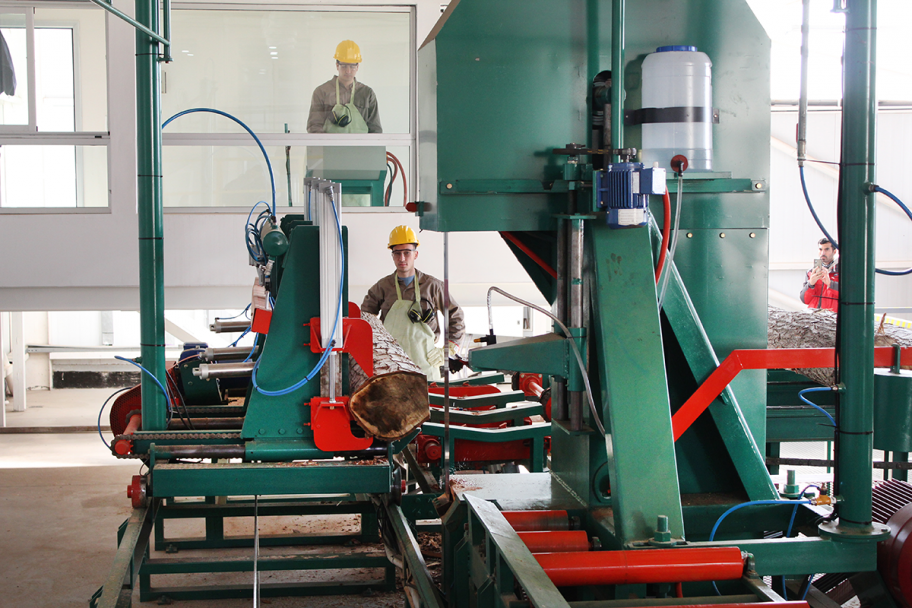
[344,105]
[408,301]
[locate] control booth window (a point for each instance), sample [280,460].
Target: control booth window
[53,107]
[276,69]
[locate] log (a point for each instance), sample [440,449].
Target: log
[393,402]
[816,328]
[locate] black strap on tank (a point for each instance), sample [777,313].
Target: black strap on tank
[680,114]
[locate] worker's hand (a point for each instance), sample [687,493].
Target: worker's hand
[825,276]
[813,276]
[452,348]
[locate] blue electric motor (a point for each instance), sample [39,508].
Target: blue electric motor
[623,189]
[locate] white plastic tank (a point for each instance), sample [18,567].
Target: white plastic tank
[677,107]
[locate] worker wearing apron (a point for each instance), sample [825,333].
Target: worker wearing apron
[407,302]
[344,105]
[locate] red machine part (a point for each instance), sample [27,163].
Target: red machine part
[530,521]
[642,566]
[136,491]
[130,402]
[261,309]
[531,386]
[331,424]
[357,340]
[555,541]
[892,505]
[775,358]
[125,446]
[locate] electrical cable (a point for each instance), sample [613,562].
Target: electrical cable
[332,342]
[674,242]
[103,405]
[148,373]
[235,316]
[401,172]
[570,337]
[817,389]
[666,234]
[895,199]
[246,128]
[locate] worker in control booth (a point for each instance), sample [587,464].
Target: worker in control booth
[344,105]
[407,302]
[821,287]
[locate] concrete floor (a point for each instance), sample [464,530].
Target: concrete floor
[62,497]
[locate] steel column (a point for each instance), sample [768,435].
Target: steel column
[618,42]
[856,291]
[151,248]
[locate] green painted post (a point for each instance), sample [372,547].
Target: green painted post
[618,42]
[856,289]
[151,249]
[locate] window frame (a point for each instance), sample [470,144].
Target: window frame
[18,135]
[409,139]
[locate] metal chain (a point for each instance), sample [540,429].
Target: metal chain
[170,437]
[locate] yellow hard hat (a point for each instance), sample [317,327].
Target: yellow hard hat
[402,235]
[348,52]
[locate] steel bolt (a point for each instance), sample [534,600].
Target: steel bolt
[721,235]
[753,234]
[690,235]
[449,186]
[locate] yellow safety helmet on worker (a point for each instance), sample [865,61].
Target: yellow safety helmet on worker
[348,52]
[403,235]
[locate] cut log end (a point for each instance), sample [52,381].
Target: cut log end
[390,406]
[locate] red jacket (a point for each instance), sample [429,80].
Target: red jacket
[819,295]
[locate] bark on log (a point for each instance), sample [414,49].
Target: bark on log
[394,401]
[813,328]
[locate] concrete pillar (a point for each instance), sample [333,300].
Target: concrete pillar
[17,350]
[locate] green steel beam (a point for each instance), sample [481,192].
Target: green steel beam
[498,399]
[547,354]
[411,555]
[131,548]
[149,210]
[746,456]
[855,322]
[316,561]
[631,365]
[249,479]
[618,97]
[802,556]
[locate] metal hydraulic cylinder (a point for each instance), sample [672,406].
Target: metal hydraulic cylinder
[555,541]
[642,566]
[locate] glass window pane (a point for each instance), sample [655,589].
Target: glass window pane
[263,66]
[237,176]
[13,70]
[53,176]
[71,69]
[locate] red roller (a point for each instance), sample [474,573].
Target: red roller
[555,541]
[125,446]
[646,566]
[529,521]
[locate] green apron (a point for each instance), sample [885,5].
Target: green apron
[416,339]
[357,124]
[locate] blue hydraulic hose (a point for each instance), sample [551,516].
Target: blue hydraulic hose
[246,128]
[246,331]
[148,373]
[807,198]
[235,316]
[326,352]
[817,389]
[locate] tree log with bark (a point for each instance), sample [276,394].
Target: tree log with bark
[816,328]
[394,401]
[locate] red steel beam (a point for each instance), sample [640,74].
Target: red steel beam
[774,358]
[642,566]
[555,541]
[529,521]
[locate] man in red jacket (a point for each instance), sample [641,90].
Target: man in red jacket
[821,287]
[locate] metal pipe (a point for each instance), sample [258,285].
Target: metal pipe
[447,457]
[856,290]
[803,95]
[559,409]
[529,521]
[166,29]
[555,541]
[642,566]
[224,326]
[149,211]
[142,28]
[618,43]
[224,370]
[229,352]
